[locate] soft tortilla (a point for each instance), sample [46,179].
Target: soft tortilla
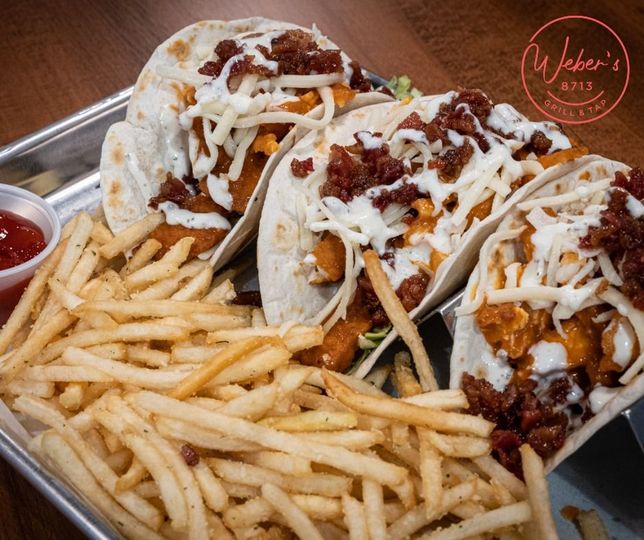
[286,292]
[135,156]
[470,346]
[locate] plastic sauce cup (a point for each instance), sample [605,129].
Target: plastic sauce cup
[25,204]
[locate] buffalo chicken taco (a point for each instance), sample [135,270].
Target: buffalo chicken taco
[212,111]
[550,334]
[422,182]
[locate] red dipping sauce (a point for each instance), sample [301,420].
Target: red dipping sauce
[20,241]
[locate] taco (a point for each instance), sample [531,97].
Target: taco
[213,110]
[422,182]
[549,337]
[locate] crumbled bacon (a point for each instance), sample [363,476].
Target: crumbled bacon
[411,292]
[190,455]
[405,195]
[479,104]
[295,52]
[248,298]
[539,143]
[413,121]
[350,176]
[302,168]
[621,234]
[519,417]
[173,190]
[452,161]
[358,81]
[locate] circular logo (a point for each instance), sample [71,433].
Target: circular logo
[575,69]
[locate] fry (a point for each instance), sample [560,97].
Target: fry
[131,236]
[159,308]
[280,462]
[125,332]
[297,520]
[494,469]
[317,483]
[297,337]
[167,287]
[202,438]
[459,445]
[374,506]
[196,287]
[68,462]
[222,293]
[218,363]
[400,319]
[134,475]
[101,471]
[354,518]
[406,412]
[439,399]
[537,487]
[212,489]
[351,440]
[142,256]
[312,421]
[403,378]
[100,233]
[492,520]
[430,473]
[329,455]
[165,267]
[147,356]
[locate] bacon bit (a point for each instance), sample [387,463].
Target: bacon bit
[190,455]
[267,144]
[519,417]
[452,161]
[302,168]
[248,298]
[622,236]
[173,190]
[350,176]
[358,81]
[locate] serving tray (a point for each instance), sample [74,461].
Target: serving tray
[60,163]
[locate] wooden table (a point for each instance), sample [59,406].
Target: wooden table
[57,57]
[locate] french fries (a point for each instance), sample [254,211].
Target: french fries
[182,416]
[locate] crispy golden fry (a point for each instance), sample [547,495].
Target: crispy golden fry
[132,236]
[492,520]
[228,356]
[196,287]
[328,485]
[295,517]
[400,319]
[126,332]
[165,267]
[142,256]
[403,377]
[355,518]
[374,506]
[72,467]
[334,456]
[448,422]
[535,479]
[312,421]
[430,473]
[295,339]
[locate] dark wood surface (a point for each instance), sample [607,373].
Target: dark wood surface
[57,57]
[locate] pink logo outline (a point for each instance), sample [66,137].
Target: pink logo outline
[545,111]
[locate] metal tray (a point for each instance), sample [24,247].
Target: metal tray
[61,163]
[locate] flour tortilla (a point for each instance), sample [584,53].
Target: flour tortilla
[470,345]
[135,156]
[286,293]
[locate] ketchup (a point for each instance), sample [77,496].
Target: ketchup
[20,241]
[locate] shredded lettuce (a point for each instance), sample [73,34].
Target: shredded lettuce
[402,87]
[367,343]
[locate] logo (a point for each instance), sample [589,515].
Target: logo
[575,69]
